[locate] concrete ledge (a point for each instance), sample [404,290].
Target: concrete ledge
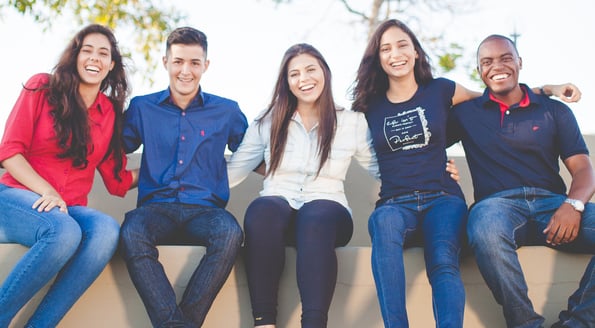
[112,300]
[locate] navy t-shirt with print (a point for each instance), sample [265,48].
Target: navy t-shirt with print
[410,141]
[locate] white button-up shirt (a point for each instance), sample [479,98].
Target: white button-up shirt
[295,178]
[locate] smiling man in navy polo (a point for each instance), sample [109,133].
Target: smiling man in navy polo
[513,140]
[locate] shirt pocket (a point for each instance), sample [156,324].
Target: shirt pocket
[293,161]
[338,162]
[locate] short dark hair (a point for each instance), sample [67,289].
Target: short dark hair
[186,35]
[497,37]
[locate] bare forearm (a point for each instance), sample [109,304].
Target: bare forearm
[583,185]
[20,169]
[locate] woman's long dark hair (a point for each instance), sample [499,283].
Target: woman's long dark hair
[371,80]
[71,121]
[284,104]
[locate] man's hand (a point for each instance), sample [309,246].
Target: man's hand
[563,226]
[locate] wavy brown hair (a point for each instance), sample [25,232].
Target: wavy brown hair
[371,80]
[284,104]
[71,121]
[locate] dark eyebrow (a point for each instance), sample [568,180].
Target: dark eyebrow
[91,46]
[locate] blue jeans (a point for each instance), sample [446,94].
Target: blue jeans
[507,220]
[437,220]
[165,223]
[74,247]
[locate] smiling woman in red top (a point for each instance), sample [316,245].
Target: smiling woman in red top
[63,126]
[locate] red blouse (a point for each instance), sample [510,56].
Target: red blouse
[30,131]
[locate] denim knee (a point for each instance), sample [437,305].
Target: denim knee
[484,226]
[386,225]
[441,258]
[227,232]
[103,234]
[133,239]
[63,232]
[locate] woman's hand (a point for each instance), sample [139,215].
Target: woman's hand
[452,169]
[48,201]
[566,92]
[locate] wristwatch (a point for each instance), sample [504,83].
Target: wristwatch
[577,204]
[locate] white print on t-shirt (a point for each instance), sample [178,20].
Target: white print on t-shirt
[407,130]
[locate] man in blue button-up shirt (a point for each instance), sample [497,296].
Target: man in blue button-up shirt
[183,186]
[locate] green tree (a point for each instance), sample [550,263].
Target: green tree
[146,20]
[373,12]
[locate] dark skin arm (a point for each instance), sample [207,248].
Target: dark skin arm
[565,223]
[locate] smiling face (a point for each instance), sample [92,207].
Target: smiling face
[305,78]
[185,64]
[499,65]
[397,53]
[94,60]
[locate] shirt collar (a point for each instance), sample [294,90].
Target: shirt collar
[529,98]
[198,101]
[101,102]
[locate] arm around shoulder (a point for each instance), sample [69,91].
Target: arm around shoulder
[566,92]
[463,94]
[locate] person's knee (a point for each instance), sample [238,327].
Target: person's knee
[64,233]
[263,213]
[484,221]
[227,233]
[386,224]
[442,258]
[104,233]
[132,228]
[132,238]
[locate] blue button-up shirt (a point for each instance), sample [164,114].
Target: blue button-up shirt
[183,150]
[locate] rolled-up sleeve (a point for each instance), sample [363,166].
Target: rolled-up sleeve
[114,186]
[18,132]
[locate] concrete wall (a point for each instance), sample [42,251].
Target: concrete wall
[112,300]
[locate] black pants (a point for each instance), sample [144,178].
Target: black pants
[315,230]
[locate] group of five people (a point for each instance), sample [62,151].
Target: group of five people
[68,123]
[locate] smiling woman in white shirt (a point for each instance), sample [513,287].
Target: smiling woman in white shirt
[307,144]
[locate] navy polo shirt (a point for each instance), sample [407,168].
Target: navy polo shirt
[519,146]
[410,141]
[183,150]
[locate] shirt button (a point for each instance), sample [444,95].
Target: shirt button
[181,162]
[183,138]
[183,113]
[507,112]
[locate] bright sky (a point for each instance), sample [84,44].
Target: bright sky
[246,45]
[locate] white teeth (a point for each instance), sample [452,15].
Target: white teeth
[92,69]
[307,87]
[498,77]
[399,63]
